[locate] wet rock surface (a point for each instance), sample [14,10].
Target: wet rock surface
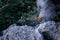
[19,33]
[45,31]
[47,26]
[50,30]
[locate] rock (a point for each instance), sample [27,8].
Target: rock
[47,29]
[47,26]
[18,33]
[38,35]
[50,30]
[15,32]
[57,33]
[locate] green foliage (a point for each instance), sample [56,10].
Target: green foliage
[13,10]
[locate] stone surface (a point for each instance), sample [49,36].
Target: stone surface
[47,26]
[50,30]
[20,33]
[47,29]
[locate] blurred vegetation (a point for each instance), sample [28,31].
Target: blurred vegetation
[13,10]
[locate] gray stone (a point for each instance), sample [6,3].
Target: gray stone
[47,26]
[20,33]
[50,29]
